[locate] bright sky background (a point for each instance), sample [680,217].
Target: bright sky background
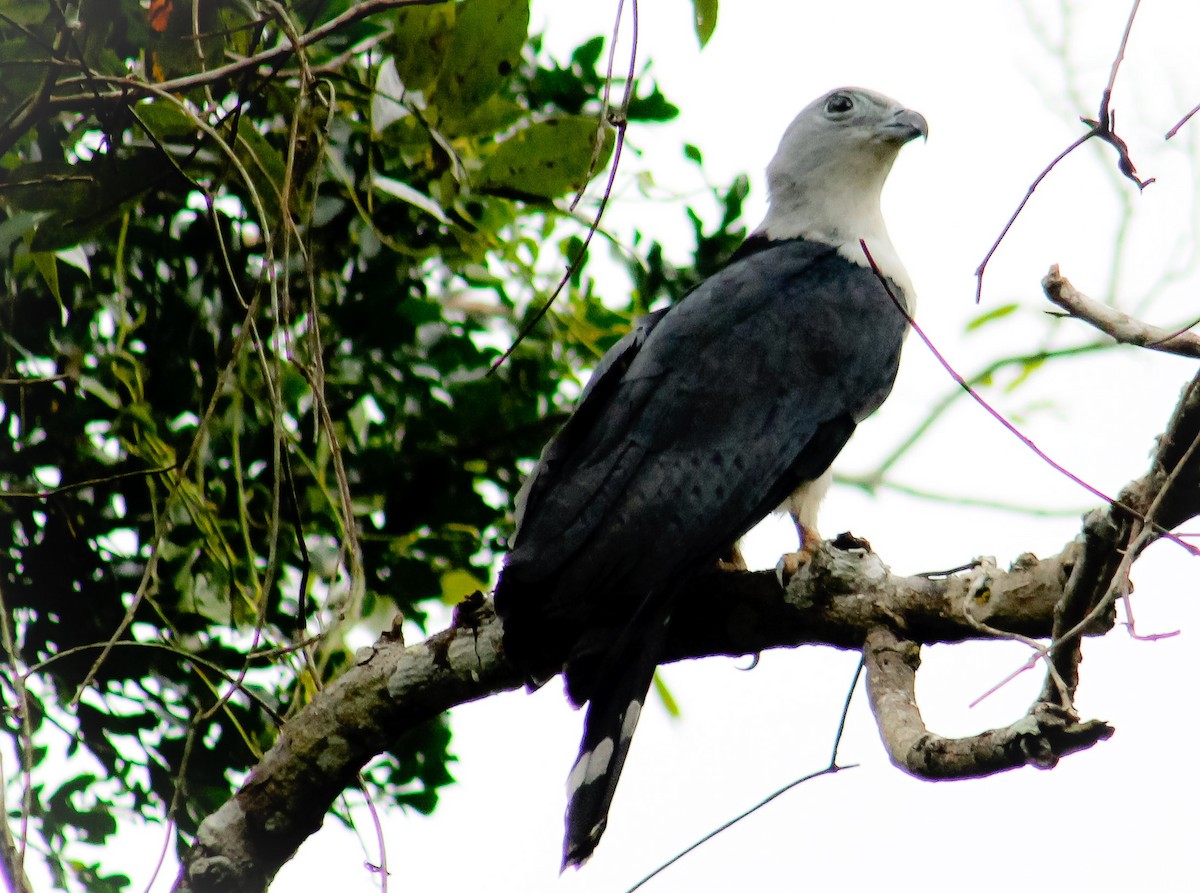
[1000,107]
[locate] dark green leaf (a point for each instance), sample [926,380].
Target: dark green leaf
[705,19]
[484,52]
[546,159]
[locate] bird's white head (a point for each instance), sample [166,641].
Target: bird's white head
[825,181]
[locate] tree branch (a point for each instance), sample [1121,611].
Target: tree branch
[1039,738]
[835,600]
[125,89]
[845,597]
[1121,326]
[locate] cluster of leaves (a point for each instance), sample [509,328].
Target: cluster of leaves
[256,269]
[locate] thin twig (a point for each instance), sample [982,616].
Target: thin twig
[982,376]
[831,769]
[1131,552]
[979,271]
[870,484]
[92,482]
[13,856]
[1102,128]
[380,869]
[1121,326]
[127,88]
[621,122]
[1174,130]
[1008,426]
[21,382]
[248,332]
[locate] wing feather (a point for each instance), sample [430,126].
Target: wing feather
[702,418]
[695,426]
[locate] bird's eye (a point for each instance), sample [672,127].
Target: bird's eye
[839,104]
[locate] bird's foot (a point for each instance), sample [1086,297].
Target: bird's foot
[732,560]
[790,562]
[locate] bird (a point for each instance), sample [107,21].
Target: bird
[707,416]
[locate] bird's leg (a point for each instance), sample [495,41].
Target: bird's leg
[732,560]
[791,562]
[802,505]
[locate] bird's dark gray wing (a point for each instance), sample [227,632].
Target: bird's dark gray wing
[606,378]
[743,391]
[701,425]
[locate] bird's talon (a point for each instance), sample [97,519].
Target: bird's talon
[790,564]
[732,560]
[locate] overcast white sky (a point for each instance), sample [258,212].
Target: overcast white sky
[1120,815]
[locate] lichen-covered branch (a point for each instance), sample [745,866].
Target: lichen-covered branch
[1121,326]
[1039,738]
[836,600]
[319,752]
[1167,495]
[845,597]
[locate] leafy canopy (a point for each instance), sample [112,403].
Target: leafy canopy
[257,264]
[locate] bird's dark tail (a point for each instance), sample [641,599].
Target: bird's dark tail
[615,703]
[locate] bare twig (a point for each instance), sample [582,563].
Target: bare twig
[1179,125]
[1040,738]
[982,376]
[828,770]
[621,122]
[125,89]
[45,379]
[1121,326]
[12,852]
[871,484]
[832,768]
[1037,181]
[92,482]
[1102,128]
[1008,426]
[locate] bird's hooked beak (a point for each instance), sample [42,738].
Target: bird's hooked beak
[903,126]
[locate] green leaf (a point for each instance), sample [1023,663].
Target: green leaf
[546,159]
[406,193]
[664,695]
[17,227]
[458,584]
[85,196]
[421,43]
[485,51]
[387,105]
[47,266]
[991,315]
[26,12]
[705,19]
[173,52]
[27,64]
[166,119]
[265,167]
[495,115]
[48,186]
[76,257]
[653,107]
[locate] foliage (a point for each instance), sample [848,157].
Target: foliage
[257,268]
